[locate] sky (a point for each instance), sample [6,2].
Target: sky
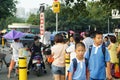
[28,4]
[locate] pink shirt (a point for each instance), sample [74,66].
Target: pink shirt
[58,52]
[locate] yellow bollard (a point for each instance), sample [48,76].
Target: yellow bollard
[67,61]
[3,42]
[22,68]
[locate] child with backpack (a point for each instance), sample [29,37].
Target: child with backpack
[77,69]
[98,59]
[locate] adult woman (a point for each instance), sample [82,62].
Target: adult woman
[113,53]
[58,53]
[113,49]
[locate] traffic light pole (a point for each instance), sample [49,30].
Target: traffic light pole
[56,22]
[56,9]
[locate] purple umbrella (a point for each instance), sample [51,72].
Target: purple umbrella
[13,34]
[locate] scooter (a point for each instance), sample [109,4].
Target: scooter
[37,64]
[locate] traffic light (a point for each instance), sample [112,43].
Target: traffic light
[56,7]
[42,8]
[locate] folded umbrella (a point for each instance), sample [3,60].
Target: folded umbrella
[13,34]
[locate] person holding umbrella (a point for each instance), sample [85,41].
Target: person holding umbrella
[16,45]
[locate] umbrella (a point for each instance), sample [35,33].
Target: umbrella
[13,34]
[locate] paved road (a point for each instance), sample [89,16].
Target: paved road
[31,76]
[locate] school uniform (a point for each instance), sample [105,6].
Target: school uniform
[96,63]
[80,72]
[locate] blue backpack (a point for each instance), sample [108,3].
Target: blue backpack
[90,49]
[74,66]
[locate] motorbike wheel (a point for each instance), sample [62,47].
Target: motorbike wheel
[39,71]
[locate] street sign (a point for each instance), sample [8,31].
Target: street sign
[56,7]
[42,23]
[115,14]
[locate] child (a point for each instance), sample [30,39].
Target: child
[98,63]
[80,72]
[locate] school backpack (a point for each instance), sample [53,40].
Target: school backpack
[74,60]
[90,49]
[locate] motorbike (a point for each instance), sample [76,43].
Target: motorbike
[37,64]
[47,53]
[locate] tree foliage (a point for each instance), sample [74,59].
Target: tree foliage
[80,15]
[9,20]
[7,11]
[34,19]
[113,4]
[7,8]
[76,8]
[97,13]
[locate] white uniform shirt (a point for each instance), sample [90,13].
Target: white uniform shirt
[16,46]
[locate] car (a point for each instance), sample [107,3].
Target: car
[64,33]
[108,34]
[28,39]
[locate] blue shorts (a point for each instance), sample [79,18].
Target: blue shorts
[58,70]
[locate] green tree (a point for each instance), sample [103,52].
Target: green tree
[7,8]
[7,11]
[49,19]
[96,13]
[76,8]
[112,4]
[9,20]
[33,19]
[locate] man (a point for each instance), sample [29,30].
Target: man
[36,48]
[46,37]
